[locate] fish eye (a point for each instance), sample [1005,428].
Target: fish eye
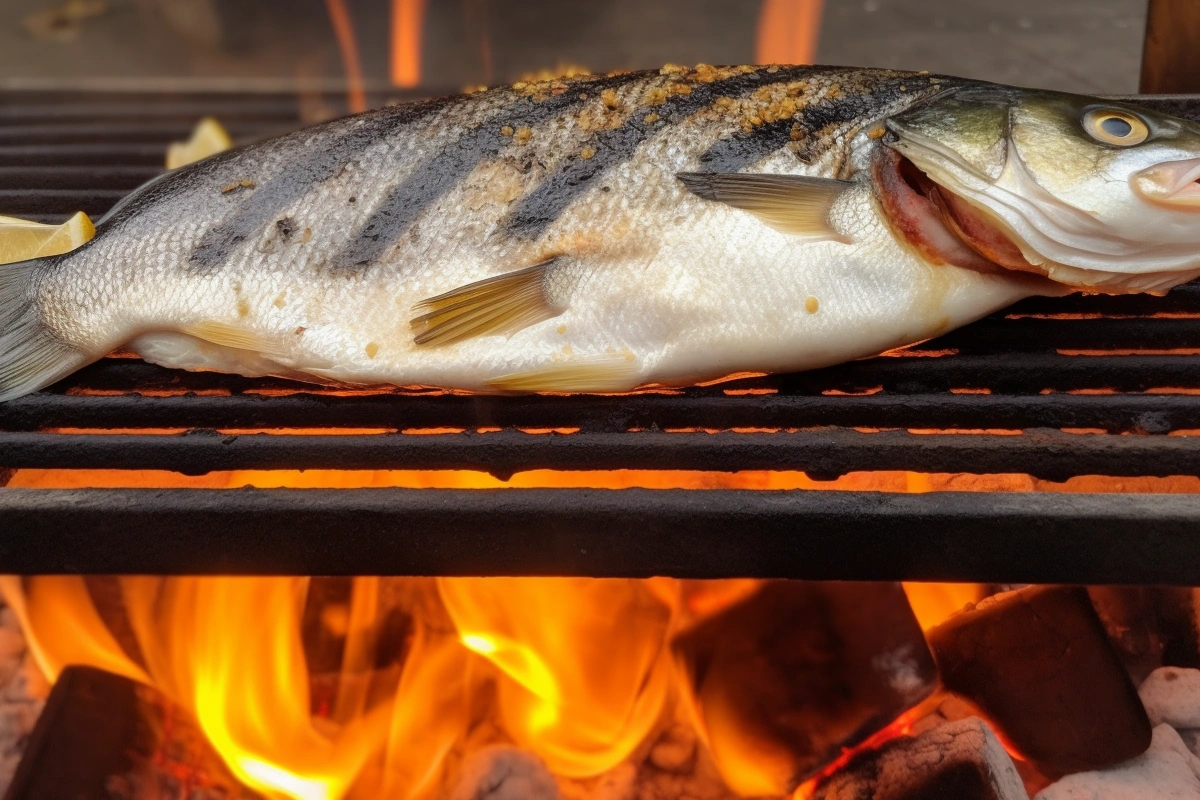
[1113,126]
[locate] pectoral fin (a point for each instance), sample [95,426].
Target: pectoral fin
[788,203]
[602,373]
[235,337]
[503,304]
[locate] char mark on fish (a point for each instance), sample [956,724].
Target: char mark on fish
[536,211]
[433,178]
[325,159]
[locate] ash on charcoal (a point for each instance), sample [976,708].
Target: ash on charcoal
[504,773]
[961,760]
[1172,695]
[1166,770]
[1038,664]
[947,708]
[785,679]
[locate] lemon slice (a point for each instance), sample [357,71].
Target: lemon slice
[21,239]
[208,139]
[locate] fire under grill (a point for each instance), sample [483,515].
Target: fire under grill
[1088,407]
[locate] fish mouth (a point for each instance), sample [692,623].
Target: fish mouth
[1173,183]
[941,225]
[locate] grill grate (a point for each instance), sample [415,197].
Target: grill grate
[1088,385]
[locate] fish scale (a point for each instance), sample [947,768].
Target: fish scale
[601,233]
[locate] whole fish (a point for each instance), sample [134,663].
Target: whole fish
[606,232]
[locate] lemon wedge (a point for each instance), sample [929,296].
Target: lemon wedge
[21,240]
[208,139]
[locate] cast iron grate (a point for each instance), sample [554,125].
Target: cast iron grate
[1082,385]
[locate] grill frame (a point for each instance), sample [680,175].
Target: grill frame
[864,416]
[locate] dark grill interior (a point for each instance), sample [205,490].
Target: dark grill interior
[1089,385]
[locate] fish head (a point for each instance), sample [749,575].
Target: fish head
[1097,194]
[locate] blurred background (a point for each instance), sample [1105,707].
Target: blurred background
[445,45]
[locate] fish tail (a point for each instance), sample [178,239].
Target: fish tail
[31,356]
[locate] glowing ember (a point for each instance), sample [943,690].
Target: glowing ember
[902,726]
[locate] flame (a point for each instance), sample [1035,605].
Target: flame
[788,31]
[229,650]
[250,692]
[343,29]
[934,603]
[576,670]
[62,605]
[430,716]
[582,682]
[408,19]
[523,664]
[582,679]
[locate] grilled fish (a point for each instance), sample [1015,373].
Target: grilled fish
[601,233]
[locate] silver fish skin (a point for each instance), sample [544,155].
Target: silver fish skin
[537,237]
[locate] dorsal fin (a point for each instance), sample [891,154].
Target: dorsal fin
[794,204]
[503,304]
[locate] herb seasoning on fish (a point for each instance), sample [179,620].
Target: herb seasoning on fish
[600,233]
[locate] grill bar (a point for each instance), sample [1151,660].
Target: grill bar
[1029,373]
[67,177]
[45,202]
[1151,413]
[988,538]
[823,455]
[994,335]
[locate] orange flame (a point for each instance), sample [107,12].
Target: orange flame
[934,603]
[408,19]
[343,29]
[229,650]
[582,673]
[578,670]
[788,31]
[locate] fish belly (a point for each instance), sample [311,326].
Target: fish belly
[714,293]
